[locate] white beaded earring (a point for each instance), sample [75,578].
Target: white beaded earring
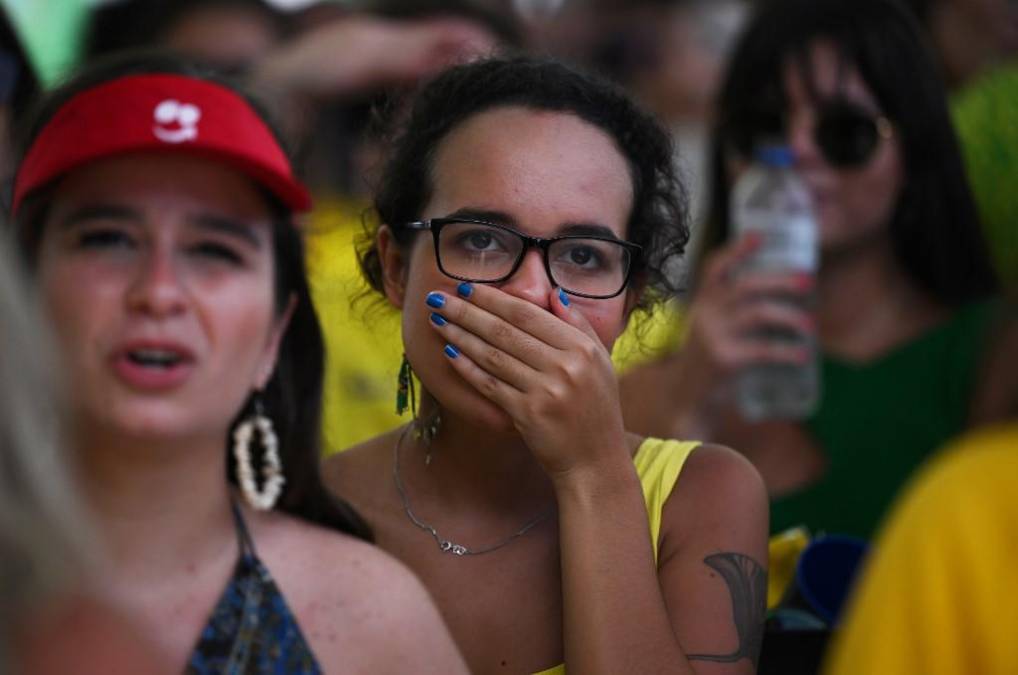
[272,467]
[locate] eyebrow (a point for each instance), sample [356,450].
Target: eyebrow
[501,218]
[228,226]
[99,212]
[206,221]
[589,230]
[489,216]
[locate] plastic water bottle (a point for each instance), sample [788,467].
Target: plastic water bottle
[769,199]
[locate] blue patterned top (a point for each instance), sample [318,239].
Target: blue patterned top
[252,630]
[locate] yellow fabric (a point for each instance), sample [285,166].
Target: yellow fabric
[363,340]
[783,551]
[650,335]
[938,594]
[658,463]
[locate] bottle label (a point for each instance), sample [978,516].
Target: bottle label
[787,242]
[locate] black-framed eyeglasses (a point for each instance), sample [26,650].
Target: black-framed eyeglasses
[583,265]
[846,134]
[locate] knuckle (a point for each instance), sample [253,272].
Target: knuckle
[589,352]
[501,331]
[488,384]
[493,357]
[573,366]
[529,347]
[553,394]
[458,312]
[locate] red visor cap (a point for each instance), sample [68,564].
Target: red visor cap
[159,113]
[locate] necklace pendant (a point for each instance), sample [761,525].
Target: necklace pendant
[449,547]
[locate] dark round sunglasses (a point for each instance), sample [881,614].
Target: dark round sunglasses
[846,134]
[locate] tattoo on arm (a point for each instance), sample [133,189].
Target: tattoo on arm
[747,584]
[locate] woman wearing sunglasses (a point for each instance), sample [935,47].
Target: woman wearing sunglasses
[901,316]
[156,208]
[527,211]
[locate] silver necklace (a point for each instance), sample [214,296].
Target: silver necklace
[445,545]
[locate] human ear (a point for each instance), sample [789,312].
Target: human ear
[394,265]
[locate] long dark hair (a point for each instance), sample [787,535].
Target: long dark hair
[935,230]
[293,395]
[658,220]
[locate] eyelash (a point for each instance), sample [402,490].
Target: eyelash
[104,238]
[96,239]
[219,251]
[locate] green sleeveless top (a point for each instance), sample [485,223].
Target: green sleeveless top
[877,421]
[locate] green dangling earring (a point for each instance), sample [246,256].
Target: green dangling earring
[406,398]
[405,388]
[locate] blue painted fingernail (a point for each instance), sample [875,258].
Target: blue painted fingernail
[438,319]
[436,300]
[465,289]
[451,351]
[563,297]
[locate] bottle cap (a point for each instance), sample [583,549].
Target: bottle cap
[775,155]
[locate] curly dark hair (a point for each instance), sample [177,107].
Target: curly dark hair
[658,221]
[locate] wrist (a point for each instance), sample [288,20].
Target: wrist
[598,483]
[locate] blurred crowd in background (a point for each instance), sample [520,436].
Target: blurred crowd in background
[338,76]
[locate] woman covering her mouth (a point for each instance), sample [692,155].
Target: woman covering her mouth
[527,209]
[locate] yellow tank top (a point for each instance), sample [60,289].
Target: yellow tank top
[658,463]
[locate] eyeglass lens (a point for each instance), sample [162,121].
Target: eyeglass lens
[487,253]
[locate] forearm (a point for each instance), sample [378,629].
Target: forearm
[615,618]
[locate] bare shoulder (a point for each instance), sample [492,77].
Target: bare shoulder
[356,472]
[355,603]
[337,567]
[712,468]
[719,494]
[713,559]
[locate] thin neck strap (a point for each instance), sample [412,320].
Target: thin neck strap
[246,542]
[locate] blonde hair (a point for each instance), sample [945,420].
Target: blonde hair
[43,532]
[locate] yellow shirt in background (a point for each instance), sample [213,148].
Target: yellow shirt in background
[650,336]
[938,595]
[363,343]
[363,340]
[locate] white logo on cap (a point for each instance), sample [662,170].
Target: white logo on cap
[176,122]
